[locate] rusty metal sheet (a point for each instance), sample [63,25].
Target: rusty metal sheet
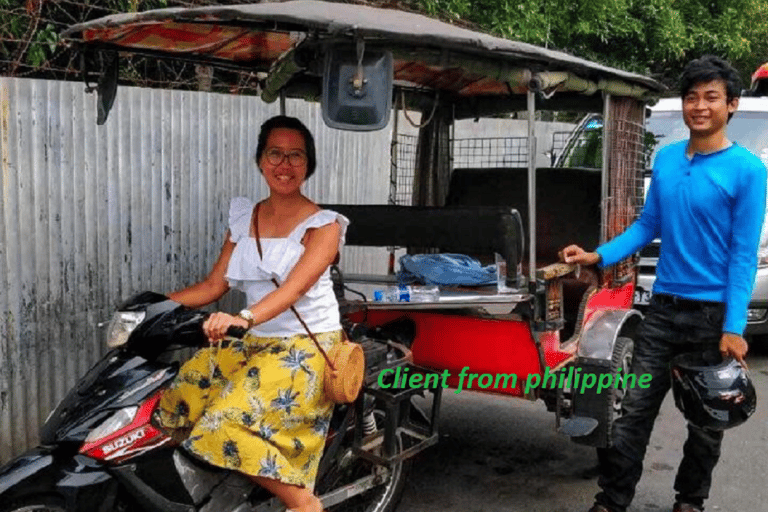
[92,214]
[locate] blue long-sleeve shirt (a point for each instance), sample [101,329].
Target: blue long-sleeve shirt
[708,211]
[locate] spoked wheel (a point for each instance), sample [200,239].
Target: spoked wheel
[388,482]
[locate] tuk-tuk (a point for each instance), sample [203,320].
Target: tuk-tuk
[547,330]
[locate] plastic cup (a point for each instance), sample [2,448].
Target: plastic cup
[501,275]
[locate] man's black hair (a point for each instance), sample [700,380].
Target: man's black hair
[708,68]
[293,124]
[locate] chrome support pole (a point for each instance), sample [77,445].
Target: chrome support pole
[531,186]
[282,102]
[393,169]
[604,192]
[393,163]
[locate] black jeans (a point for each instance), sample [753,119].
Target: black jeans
[670,327]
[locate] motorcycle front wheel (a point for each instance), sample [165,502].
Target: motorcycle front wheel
[54,503]
[35,504]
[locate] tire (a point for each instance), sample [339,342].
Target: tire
[382,498]
[623,352]
[44,503]
[605,407]
[35,504]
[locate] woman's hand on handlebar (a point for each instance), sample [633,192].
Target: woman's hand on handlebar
[215,327]
[575,254]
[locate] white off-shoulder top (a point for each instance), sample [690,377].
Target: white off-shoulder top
[249,273]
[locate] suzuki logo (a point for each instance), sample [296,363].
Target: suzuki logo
[122,442]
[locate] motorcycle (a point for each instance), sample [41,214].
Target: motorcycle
[101,451]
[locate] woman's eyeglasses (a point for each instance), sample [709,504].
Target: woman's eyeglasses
[296,158]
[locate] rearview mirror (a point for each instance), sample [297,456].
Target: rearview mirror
[357,88]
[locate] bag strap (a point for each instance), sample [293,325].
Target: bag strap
[277,285]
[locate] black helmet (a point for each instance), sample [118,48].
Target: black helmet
[712,396]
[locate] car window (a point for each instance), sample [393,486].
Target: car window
[749,129]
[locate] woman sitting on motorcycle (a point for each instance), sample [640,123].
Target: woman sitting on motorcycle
[257,406]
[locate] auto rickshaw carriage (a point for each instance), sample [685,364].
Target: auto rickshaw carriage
[552,322]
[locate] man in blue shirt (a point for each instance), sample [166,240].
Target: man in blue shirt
[707,203]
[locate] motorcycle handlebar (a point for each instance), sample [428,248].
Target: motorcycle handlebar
[236,332]
[233,331]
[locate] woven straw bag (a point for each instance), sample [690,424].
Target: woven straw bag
[345,371]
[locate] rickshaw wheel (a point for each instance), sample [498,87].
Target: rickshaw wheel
[606,408]
[622,360]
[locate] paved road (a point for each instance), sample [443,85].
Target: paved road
[501,454]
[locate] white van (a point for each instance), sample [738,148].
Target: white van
[749,128]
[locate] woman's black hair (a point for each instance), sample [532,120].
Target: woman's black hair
[708,68]
[293,124]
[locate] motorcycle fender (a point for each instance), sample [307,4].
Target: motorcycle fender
[22,473]
[85,484]
[80,481]
[599,335]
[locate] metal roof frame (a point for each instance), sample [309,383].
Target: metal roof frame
[284,42]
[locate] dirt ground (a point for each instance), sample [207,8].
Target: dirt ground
[502,454]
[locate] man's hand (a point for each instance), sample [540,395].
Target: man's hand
[575,254]
[734,346]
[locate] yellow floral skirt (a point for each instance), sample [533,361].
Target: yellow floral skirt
[256,406]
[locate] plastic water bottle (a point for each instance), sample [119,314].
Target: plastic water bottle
[390,294]
[427,293]
[405,293]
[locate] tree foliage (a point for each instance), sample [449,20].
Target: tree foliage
[30,29]
[655,37]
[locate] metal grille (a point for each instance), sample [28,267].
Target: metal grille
[490,153]
[624,199]
[559,140]
[403,169]
[473,153]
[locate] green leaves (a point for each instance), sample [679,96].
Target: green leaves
[43,46]
[649,36]
[655,37]
[29,31]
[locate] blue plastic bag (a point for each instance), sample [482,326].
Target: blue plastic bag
[445,270]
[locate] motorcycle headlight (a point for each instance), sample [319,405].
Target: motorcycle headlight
[122,325]
[117,421]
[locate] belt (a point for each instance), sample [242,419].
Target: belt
[686,304]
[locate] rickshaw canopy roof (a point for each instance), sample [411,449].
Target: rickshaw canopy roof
[429,55]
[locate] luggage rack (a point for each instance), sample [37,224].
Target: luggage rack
[381,447]
[458,297]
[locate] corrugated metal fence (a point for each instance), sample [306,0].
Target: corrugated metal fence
[92,214]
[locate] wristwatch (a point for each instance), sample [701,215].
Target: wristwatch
[247,315]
